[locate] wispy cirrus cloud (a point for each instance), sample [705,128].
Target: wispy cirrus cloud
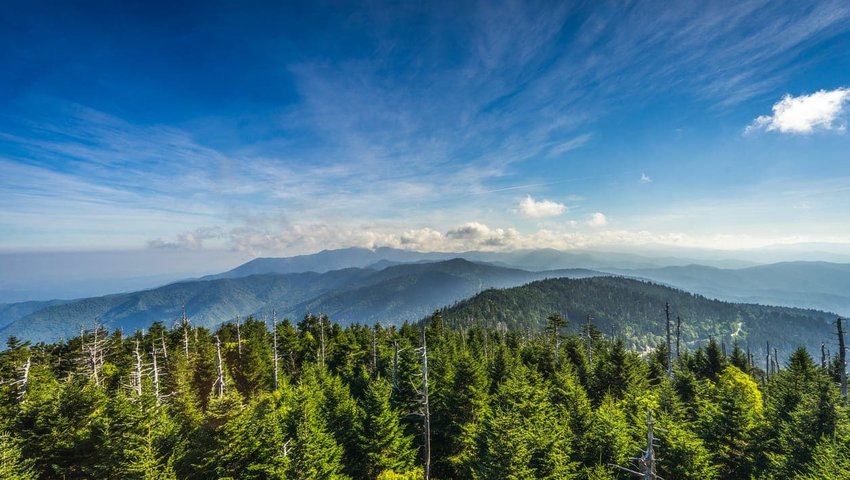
[431,123]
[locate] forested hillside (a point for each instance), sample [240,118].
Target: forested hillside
[635,311]
[314,400]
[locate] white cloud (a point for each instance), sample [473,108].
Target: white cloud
[531,208]
[821,110]
[597,220]
[644,178]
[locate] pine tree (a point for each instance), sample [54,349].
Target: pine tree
[683,455]
[464,406]
[608,441]
[382,439]
[729,420]
[315,454]
[13,466]
[521,437]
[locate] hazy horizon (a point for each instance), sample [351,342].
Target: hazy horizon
[48,275]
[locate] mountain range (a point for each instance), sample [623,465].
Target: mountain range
[819,285]
[809,284]
[390,286]
[392,295]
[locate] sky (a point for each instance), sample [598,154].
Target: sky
[277,128]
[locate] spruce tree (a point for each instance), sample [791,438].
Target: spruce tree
[382,439]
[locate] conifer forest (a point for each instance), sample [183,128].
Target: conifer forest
[275,399]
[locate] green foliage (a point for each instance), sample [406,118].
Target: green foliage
[12,463]
[521,437]
[501,407]
[381,439]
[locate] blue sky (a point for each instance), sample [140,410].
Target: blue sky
[282,128]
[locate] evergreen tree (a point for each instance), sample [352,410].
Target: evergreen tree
[608,441]
[382,439]
[521,437]
[729,420]
[315,453]
[12,463]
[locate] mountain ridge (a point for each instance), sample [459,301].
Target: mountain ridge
[213,301]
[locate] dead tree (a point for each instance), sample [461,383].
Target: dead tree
[274,348]
[93,353]
[219,382]
[589,342]
[164,348]
[21,383]
[775,361]
[646,462]
[137,374]
[426,405]
[669,342]
[842,359]
[322,334]
[555,323]
[155,373]
[238,339]
[823,355]
[185,324]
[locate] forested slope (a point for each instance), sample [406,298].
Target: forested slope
[314,400]
[635,311]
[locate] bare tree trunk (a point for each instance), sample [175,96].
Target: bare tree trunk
[648,459]
[22,382]
[137,379]
[274,347]
[322,330]
[426,406]
[775,360]
[842,360]
[589,343]
[646,462]
[95,354]
[669,342]
[155,376]
[220,381]
[164,347]
[185,323]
